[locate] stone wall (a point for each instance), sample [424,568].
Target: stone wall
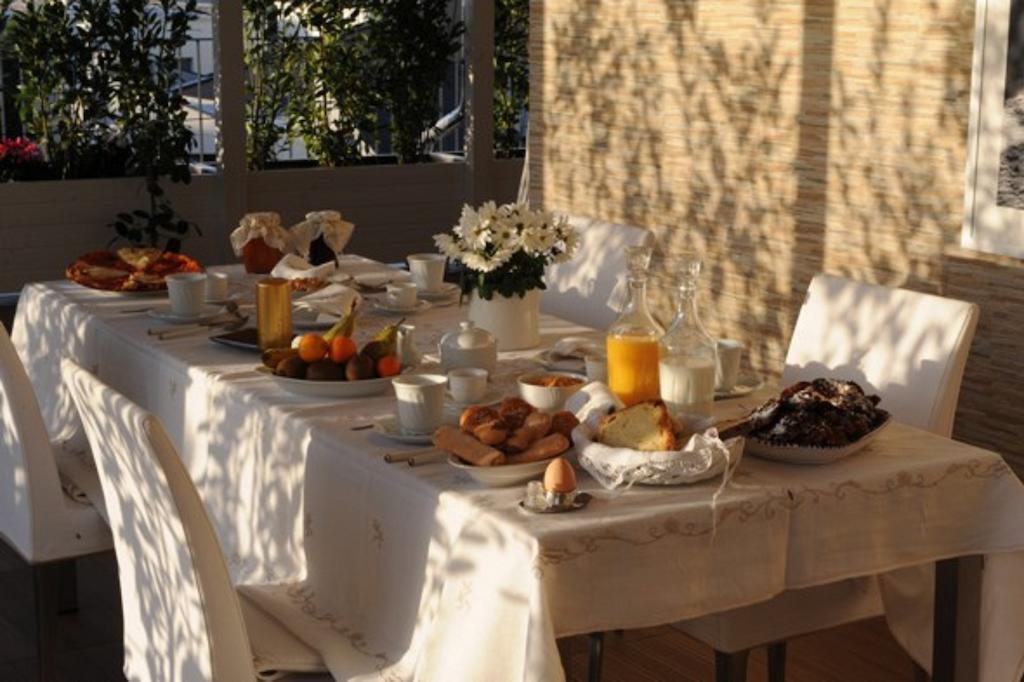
[782,138]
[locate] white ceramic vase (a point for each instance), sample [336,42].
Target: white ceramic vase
[515,321]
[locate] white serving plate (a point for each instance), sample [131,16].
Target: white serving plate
[330,389]
[503,475]
[798,454]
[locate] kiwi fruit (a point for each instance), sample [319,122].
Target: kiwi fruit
[359,367]
[292,367]
[325,370]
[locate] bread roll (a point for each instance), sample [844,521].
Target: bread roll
[476,415]
[451,439]
[547,447]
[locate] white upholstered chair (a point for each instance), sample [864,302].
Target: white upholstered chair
[183,619]
[590,289]
[909,348]
[44,514]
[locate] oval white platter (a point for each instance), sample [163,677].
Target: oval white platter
[330,389]
[797,454]
[501,475]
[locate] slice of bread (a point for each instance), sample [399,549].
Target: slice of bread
[645,426]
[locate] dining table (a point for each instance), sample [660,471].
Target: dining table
[399,572]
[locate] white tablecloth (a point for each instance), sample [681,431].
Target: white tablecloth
[420,573]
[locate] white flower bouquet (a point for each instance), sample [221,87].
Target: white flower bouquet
[505,249]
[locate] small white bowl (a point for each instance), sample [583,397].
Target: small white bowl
[548,398]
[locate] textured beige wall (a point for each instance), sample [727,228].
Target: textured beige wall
[782,138]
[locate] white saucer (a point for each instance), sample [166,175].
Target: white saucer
[548,360]
[420,307]
[745,385]
[447,290]
[389,428]
[491,395]
[163,312]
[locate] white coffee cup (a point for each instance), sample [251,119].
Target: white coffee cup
[597,368]
[187,291]
[427,270]
[216,286]
[420,400]
[467,384]
[401,294]
[730,352]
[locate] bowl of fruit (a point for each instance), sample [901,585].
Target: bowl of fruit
[332,365]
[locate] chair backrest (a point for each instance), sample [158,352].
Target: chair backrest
[31,499]
[910,348]
[182,618]
[590,289]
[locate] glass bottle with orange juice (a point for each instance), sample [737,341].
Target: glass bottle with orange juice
[632,340]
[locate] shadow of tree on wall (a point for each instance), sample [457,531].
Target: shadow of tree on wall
[781,139]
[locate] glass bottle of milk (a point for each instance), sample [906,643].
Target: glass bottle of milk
[687,355]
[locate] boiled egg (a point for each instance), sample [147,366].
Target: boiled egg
[559,477]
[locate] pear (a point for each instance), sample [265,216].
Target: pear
[385,342]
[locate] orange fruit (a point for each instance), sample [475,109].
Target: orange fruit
[388,366]
[342,348]
[312,348]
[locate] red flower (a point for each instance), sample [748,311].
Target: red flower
[19,150]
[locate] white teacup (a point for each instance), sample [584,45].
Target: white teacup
[420,401]
[401,295]
[467,384]
[187,291]
[730,352]
[427,270]
[216,286]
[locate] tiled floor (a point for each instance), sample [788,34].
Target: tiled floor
[90,641]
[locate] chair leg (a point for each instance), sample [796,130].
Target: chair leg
[596,657]
[777,662]
[68,597]
[45,579]
[731,667]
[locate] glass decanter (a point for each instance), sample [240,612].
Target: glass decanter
[632,340]
[686,365]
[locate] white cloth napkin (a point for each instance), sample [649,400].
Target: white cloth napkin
[705,455]
[334,300]
[297,267]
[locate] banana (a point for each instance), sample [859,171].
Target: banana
[345,326]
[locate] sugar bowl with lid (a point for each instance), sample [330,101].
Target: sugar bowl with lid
[468,346]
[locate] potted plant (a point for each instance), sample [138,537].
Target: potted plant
[504,251]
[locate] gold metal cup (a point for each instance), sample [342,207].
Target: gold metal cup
[274,313]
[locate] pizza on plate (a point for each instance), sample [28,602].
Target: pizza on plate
[129,269]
